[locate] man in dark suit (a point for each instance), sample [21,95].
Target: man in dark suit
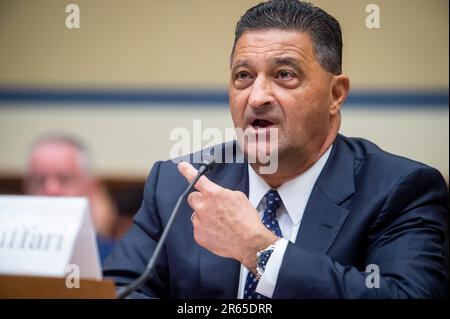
[338,218]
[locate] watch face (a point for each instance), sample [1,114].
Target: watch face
[262,259]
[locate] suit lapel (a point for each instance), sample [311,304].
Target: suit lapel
[323,216]
[219,277]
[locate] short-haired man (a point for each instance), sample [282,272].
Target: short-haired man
[334,207]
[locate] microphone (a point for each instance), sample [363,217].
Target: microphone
[205,166]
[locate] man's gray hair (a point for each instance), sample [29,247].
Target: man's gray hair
[83,153]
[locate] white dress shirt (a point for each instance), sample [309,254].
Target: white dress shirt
[294,194]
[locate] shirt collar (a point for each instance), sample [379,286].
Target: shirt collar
[294,193]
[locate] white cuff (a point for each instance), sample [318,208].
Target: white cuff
[266,284]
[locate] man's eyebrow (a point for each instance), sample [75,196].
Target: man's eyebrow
[240,63]
[286,61]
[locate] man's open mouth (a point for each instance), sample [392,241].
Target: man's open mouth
[261,123]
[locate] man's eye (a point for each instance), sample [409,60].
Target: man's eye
[37,181]
[65,179]
[242,75]
[285,75]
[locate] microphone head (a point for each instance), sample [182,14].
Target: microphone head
[209,160]
[211,157]
[207,164]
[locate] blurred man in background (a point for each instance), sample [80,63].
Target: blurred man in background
[60,166]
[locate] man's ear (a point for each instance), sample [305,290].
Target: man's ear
[340,86]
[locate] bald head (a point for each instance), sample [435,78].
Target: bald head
[58,166]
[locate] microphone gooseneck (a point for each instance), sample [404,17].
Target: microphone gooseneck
[205,166]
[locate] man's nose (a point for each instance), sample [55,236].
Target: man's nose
[52,187]
[261,93]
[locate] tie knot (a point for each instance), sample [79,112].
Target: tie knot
[273,201]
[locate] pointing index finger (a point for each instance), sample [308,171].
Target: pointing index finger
[203,184]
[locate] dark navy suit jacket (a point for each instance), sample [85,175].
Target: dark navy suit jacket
[367,207]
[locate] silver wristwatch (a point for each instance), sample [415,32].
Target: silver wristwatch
[262,257]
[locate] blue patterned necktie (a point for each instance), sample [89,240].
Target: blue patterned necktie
[273,202]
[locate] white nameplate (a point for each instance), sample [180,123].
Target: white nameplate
[41,236]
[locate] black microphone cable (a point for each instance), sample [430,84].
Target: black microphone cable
[205,166]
